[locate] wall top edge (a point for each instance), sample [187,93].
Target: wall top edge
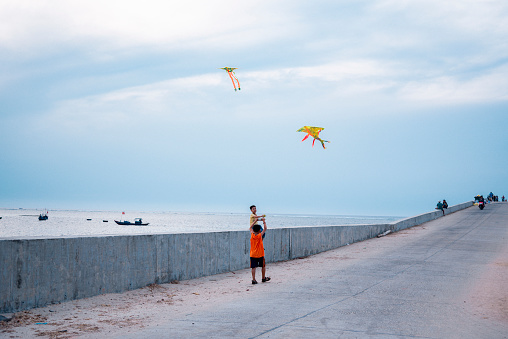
[246,231]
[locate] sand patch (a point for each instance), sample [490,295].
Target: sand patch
[489,297]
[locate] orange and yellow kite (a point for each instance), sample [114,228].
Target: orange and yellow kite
[314,132]
[231,73]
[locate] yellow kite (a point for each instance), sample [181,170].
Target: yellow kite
[314,132]
[231,73]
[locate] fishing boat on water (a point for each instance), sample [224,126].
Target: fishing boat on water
[137,222]
[44,216]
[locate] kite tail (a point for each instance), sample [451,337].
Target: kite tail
[234,76]
[231,77]
[305,137]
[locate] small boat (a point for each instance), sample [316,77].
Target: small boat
[104,221]
[89,219]
[137,222]
[43,216]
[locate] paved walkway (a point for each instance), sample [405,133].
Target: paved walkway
[444,279]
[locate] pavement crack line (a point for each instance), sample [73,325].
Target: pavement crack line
[369,287]
[332,304]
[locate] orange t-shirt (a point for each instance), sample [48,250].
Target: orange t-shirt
[256,246]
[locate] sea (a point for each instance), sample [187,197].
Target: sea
[21,223]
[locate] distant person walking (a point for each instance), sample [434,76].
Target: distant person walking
[257,251]
[440,206]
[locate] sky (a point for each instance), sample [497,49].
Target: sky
[122,105]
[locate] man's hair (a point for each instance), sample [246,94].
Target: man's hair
[256,228]
[252,207]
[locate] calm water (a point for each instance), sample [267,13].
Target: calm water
[25,223]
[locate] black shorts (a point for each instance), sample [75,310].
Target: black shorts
[257,262]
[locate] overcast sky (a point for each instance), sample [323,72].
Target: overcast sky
[121,105]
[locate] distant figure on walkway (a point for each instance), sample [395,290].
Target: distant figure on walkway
[257,251]
[440,206]
[254,217]
[445,204]
[503,199]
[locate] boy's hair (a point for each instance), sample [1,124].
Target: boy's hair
[252,207]
[256,228]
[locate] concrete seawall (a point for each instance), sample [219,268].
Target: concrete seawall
[38,272]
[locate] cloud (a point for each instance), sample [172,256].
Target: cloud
[288,52]
[155,97]
[28,26]
[487,87]
[183,99]
[132,105]
[437,31]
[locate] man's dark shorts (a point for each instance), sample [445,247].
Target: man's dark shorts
[256,262]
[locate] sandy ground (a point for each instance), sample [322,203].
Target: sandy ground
[115,313]
[119,313]
[490,297]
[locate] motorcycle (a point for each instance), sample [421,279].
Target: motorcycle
[480,201]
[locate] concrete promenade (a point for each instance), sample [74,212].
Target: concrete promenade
[447,278]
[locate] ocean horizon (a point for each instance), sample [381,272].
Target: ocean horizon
[20,223]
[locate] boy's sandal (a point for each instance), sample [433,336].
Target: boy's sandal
[266,279]
[254,282]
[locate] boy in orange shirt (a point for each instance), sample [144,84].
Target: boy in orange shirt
[257,251]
